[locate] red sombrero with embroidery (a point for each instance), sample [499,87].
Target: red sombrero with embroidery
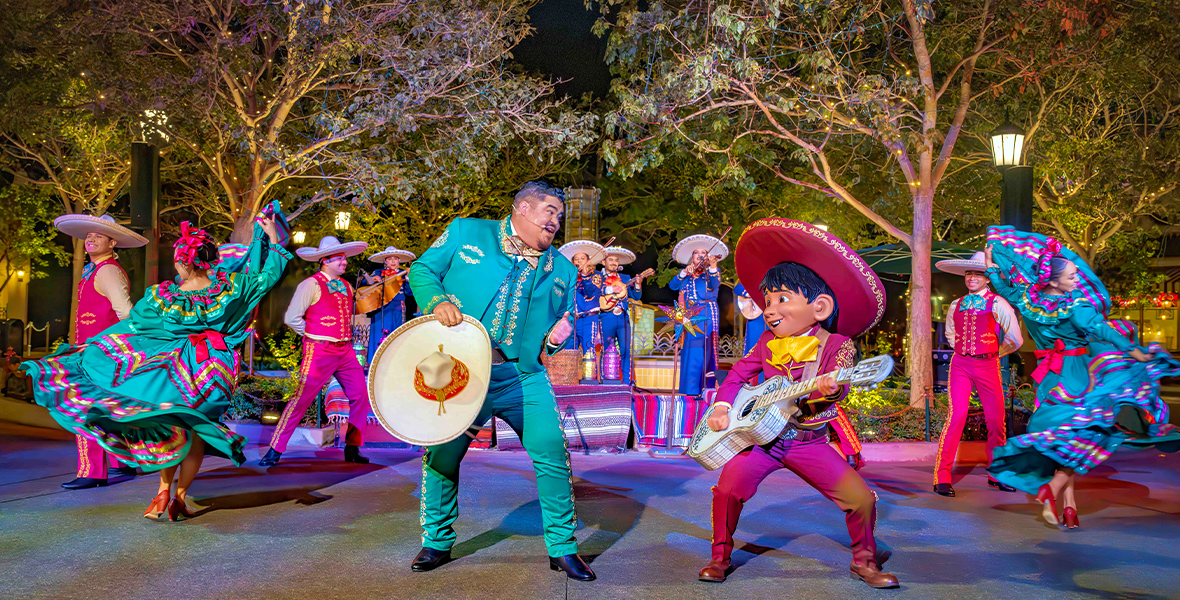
[768,242]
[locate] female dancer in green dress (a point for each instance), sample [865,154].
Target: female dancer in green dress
[152,388]
[1081,392]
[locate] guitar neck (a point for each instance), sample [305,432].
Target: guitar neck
[802,388]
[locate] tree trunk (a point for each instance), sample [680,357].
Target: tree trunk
[243,228]
[77,264]
[921,359]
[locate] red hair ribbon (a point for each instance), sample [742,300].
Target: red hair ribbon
[191,240]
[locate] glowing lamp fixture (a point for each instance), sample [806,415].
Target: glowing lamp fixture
[20,275]
[343,220]
[1007,145]
[298,236]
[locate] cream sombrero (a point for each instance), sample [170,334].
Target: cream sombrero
[624,255]
[330,246]
[427,382]
[958,266]
[682,253]
[404,255]
[592,249]
[79,225]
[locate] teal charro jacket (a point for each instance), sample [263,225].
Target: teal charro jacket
[467,264]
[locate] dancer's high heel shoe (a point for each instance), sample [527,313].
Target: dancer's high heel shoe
[157,507]
[1048,505]
[178,510]
[1071,518]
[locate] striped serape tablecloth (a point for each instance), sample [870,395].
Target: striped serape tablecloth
[651,417]
[593,416]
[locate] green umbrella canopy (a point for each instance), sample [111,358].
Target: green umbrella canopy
[895,259]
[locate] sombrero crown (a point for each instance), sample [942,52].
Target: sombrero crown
[768,242]
[330,246]
[958,266]
[682,253]
[404,255]
[592,249]
[79,225]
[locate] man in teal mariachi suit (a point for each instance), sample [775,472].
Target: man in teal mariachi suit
[505,274]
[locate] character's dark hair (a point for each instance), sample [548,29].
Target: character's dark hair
[1057,266]
[538,189]
[803,281]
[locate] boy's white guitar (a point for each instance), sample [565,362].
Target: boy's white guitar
[761,413]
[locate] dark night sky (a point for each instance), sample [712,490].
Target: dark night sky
[563,47]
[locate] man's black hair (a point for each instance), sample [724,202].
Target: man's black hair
[803,281]
[538,189]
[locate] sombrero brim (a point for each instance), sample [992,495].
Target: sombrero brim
[958,266]
[400,409]
[592,249]
[624,255]
[347,249]
[77,226]
[404,255]
[682,253]
[768,242]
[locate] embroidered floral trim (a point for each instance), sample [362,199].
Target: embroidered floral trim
[442,239]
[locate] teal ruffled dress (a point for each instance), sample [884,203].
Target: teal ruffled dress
[147,384]
[1087,375]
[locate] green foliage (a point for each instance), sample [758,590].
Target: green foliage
[27,234]
[319,101]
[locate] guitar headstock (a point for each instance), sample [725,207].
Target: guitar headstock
[868,371]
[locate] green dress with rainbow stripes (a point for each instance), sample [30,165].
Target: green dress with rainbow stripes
[144,386]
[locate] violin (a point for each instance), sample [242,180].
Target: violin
[700,267]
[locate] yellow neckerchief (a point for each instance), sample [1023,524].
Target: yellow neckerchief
[795,349]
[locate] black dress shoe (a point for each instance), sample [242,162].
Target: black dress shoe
[430,559]
[123,471]
[944,489]
[574,567]
[352,454]
[1000,486]
[84,483]
[271,459]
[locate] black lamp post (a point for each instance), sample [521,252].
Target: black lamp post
[1016,198]
[1016,204]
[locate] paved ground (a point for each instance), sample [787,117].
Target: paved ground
[315,527]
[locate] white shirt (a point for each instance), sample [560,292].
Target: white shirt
[1005,317]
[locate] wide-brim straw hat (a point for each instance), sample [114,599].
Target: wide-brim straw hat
[858,291]
[624,255]
[330,246]
[959,266]
[79,225]
[404,255]
[592,249]
[682,253]
[398,405]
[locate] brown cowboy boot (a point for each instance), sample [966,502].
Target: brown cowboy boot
[873,576]
[714,571]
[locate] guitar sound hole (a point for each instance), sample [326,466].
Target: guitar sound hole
[748,408]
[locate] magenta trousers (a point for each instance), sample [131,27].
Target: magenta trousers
[322,360]
[92,459]
[813,460]
[966,373]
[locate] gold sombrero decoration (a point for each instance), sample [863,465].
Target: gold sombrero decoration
[440,377]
